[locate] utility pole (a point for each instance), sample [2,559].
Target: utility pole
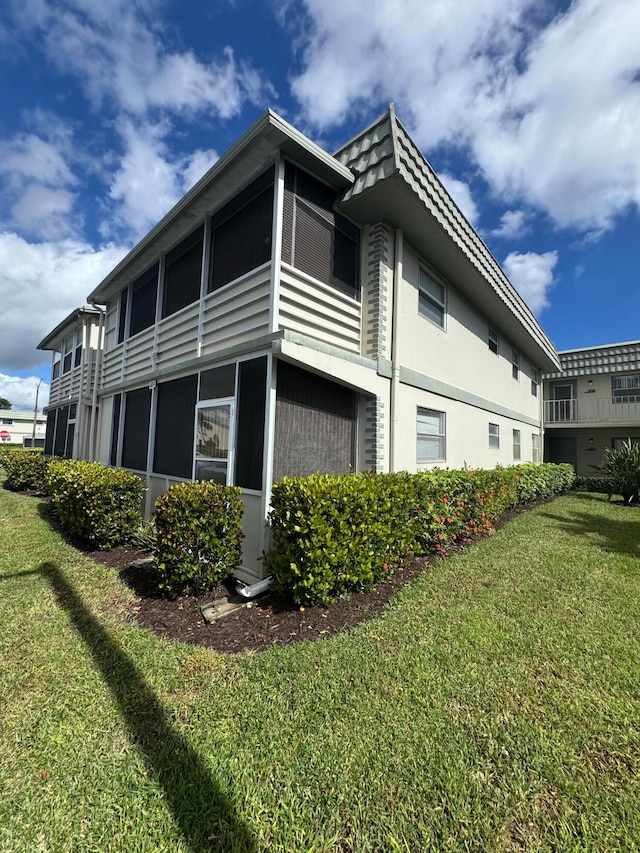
[35,416]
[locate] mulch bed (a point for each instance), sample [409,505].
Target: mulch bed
[269,620]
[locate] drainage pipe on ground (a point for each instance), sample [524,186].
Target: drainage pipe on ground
[255,589]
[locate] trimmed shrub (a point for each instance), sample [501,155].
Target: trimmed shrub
[603,485]
[335,534]
[26,469]
[99,505]
[199,535]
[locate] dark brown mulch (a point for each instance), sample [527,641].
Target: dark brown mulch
[267,621]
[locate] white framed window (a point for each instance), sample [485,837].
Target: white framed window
[57,360]
[431,431]
[68,354]
[516,445]
[494,436]
[432,299]
[494,340]
[515,364]
[535,380]
[535,447]
[214,441]
[625,389]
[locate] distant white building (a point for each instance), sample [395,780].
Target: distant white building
[17,428]
[592,404]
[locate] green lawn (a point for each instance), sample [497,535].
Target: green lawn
[494,707]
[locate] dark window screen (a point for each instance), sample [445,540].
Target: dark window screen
[122,318]
[78,356]
[218,382]
[71,431]
[59,446]
[51,428]
[183,271]
[135,438]
[317,240]
[315,424]
[241,232]
[115,428]
[252,396]
[143,301]
[175,421]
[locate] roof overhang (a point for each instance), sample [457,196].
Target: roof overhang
[246,159]
[57,335]
[394,201]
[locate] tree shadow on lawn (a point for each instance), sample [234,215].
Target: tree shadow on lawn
[201,810]
[616,537]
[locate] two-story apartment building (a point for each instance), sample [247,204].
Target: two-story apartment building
[592,404]
[299,311]
[76,346]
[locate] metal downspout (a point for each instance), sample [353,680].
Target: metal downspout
[93,438]
[395,367]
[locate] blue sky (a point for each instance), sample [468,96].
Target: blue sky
[529,111]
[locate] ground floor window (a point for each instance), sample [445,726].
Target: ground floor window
[494,436]
[431,436]
[60,431]
[516,445]
[535,447]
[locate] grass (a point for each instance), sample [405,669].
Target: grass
[494,707]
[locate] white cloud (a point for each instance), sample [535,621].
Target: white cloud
[461,194]
[21,392]
[44,212]
[548,106]
[116,53]
[196,165]
[146,184]
[532,275]
[40,284]
[30,156]
[513,223]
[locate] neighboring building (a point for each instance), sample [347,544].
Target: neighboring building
[299,312]
[592,404]
[72,409]
[17,428]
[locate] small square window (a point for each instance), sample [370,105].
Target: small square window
[516,444]
[431,436]
[515,363]
[494,340]
[494,436]
[432,299]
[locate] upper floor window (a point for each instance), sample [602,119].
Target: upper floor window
[77,357]
[183,273]
[432,299]
[315,238]
[625,389]
[67,354]
[144,292]
[431,436]
[241,233]
[515,364]
[493,340]
[57,361]
[535,381]
[494,436]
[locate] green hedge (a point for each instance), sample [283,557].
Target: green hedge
[331,534]
[198,535]
[603,485]
[26,469]
[99,505]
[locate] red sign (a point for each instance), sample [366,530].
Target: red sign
[4,435]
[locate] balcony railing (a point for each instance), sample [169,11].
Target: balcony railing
[593,410]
